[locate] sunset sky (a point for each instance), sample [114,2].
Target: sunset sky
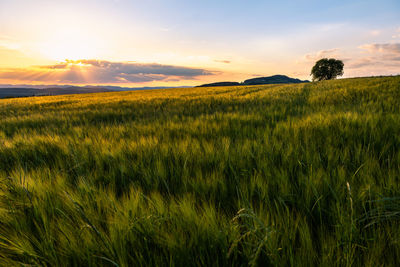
[185,42]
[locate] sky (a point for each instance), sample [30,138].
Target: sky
[185,42]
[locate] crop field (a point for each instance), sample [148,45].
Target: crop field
[268,175]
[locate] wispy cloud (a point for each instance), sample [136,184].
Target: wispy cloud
[101,71]
[7,42]
[397,34]
[223,61]
[329,53]
[375,32]
[328,27]
[389,48]
[381,58]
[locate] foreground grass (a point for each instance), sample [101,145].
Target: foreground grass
[297,175]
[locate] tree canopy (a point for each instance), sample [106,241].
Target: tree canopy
[327,69]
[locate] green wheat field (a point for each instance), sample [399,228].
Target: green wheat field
[270,175]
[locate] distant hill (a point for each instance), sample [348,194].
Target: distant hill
[276,79]
[219,84]
[25,92]
[17,92]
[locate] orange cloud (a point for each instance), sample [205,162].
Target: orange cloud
[223,61]
[378,59]
[330,53]
[392,49]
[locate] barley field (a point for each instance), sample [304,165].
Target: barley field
[271,175]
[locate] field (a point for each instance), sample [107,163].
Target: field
[271,175]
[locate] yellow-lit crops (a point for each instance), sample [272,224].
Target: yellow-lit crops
[279,175]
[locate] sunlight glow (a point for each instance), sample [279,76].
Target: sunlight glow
[69,43]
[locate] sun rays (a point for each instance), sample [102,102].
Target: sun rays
[71,42]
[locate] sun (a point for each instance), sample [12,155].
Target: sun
[70,43]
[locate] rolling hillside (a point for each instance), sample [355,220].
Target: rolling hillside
[263,175]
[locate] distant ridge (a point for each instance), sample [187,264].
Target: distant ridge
[25,92]
[275,79]
[220,84]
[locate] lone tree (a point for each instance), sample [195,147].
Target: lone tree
[327,69]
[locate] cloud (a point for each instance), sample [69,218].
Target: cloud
[376,59]
[101,71]
[360,63]
[383,58]
[7,42]
[142,68]
[397,34]
[389,48]
[223,61]
[375,32]
[330,53]
[54,67]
